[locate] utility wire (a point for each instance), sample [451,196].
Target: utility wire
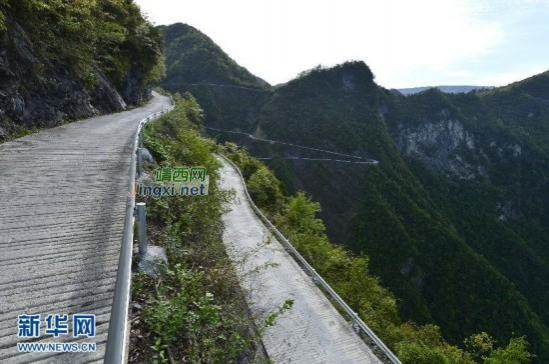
[319,159]
[368,161]
[216,85]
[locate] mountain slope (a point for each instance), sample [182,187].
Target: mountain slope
[194,58]
[448,256]
[454,217]
[228,93]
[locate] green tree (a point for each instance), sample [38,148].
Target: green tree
[264,188]
[514,353]
[302,215]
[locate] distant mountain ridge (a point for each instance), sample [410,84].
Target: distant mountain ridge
[455,218]
[445,89]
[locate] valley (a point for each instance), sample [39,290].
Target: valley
[454,217]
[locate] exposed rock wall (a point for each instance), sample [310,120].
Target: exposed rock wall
[437,146]
[39,91]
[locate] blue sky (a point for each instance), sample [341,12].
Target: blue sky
[405,43]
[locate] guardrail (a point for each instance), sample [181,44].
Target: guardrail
[316,277]
[118,336]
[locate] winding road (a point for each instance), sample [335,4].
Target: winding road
[62,206]
[312,331]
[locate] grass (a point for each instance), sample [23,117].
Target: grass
[195,310]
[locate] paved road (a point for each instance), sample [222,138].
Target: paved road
[62,208]
[312,331]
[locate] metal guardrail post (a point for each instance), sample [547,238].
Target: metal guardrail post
[142,229]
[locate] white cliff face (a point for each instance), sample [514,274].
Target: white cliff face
[439,145]
[447,148]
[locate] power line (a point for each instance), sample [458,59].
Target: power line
[369,161]
[216,85]
[319,159]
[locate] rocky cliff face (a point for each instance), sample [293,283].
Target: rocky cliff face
[38,91]
[131,91]
[437,144]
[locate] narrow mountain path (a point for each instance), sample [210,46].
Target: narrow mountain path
[312,331]
[62,206]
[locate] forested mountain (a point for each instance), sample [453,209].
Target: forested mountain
[63,60]
[454,216]
[231,94]
[445,89]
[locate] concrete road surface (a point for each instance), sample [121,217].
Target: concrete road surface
[312,331]
[62,206]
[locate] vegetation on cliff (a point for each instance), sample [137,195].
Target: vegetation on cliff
[229,93]
[350,276]
[194,311]
[454,218]
[65,60]
[109,34]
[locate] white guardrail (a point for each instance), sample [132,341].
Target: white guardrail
[118,336]
[316,277]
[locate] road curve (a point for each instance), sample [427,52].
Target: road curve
[62,206]
[312,331]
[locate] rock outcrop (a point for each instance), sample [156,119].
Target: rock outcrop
[37,90]
[437,145]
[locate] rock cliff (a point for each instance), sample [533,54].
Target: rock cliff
[41,88]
